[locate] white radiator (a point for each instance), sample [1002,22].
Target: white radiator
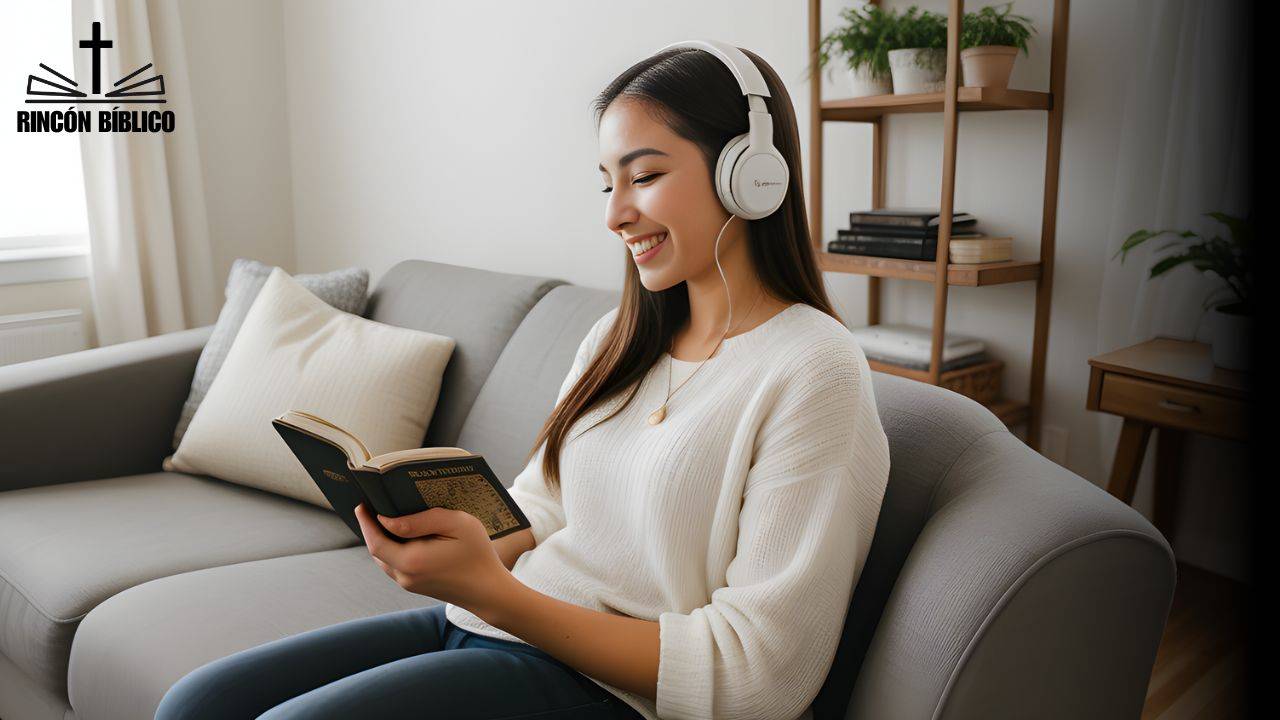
[30,336]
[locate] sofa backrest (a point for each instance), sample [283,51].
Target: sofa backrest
[479,309]
[521,390]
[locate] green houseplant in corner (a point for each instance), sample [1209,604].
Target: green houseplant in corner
[990,40]
[863,42]
[918,54]
[1232,305]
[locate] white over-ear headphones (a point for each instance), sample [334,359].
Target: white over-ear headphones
[751,175]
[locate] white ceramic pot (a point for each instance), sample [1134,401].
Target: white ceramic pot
[918,70]
[988,65]
[1230,333]
[865,83]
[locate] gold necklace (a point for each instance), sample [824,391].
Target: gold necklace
[660,414]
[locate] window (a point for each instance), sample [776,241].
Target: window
[43,224]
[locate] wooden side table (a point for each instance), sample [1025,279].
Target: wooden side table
[1169,384]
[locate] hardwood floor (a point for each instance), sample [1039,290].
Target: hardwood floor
[1200,667]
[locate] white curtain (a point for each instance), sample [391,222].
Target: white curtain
[150,254]
[1185,149]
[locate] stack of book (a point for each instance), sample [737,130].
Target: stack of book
[908,346]
[968,369]
[912,234]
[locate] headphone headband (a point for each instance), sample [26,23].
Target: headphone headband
[744,71]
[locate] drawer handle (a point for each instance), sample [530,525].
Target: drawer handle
[1178,407]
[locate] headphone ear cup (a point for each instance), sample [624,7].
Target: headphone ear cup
[724,173]
[751,186]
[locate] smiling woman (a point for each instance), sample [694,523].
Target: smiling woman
[772,449]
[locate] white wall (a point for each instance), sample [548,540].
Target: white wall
[460,132]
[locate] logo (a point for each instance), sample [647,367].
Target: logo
[765,183]
[64,90]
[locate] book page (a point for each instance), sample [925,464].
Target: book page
[385,461]
[306,422]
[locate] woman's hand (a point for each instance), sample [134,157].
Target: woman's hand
[457,563]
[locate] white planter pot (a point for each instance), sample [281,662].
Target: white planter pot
[865,84]
[918,70]
[1230,335]
[988,65]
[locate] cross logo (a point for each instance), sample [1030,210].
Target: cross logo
[137,92]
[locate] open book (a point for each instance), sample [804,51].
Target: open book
[400,482]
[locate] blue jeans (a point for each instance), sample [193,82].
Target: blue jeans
[405,664]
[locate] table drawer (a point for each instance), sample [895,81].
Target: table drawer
[1163,404]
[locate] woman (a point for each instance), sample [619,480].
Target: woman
[702,497]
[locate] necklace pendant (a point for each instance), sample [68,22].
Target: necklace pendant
[658,415]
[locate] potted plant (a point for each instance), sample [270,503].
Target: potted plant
[918,54]
[990,40]
[863,42]
[1232,305]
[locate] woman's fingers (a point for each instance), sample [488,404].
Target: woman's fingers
[380,546]
[420,524]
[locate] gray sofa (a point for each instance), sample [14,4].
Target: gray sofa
[999,584]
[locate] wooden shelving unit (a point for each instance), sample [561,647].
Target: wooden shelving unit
[953,100]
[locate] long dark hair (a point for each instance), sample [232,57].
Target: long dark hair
[695,95]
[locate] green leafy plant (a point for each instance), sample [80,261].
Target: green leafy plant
[989,26]
[918,28]
[1230,260]
[870,32]
[863,41]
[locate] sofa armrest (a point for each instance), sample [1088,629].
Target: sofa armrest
[1030,592]
[97,413]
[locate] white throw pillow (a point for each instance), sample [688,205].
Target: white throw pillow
[296,352]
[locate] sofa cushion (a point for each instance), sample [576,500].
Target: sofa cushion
[66,548]
[480,309]
[346,290]
[133,647]
[294,352]
[521,390]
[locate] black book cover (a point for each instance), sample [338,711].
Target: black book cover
[457,483]
[905,217]
[902,248]
[957,228]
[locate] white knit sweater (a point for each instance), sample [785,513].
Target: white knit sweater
[740,523]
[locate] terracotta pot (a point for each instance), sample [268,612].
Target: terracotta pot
[865,83]
[918,70]
[988,65]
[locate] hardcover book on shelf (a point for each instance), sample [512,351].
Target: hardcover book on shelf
[980,250]
[907,232]
[907,217]
[967,247]
[400,482]
[900,248]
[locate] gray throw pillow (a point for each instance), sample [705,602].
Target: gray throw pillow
[344,289]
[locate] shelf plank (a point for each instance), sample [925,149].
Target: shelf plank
[923,375]
[963,274]
[970,99]
[1010,412]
